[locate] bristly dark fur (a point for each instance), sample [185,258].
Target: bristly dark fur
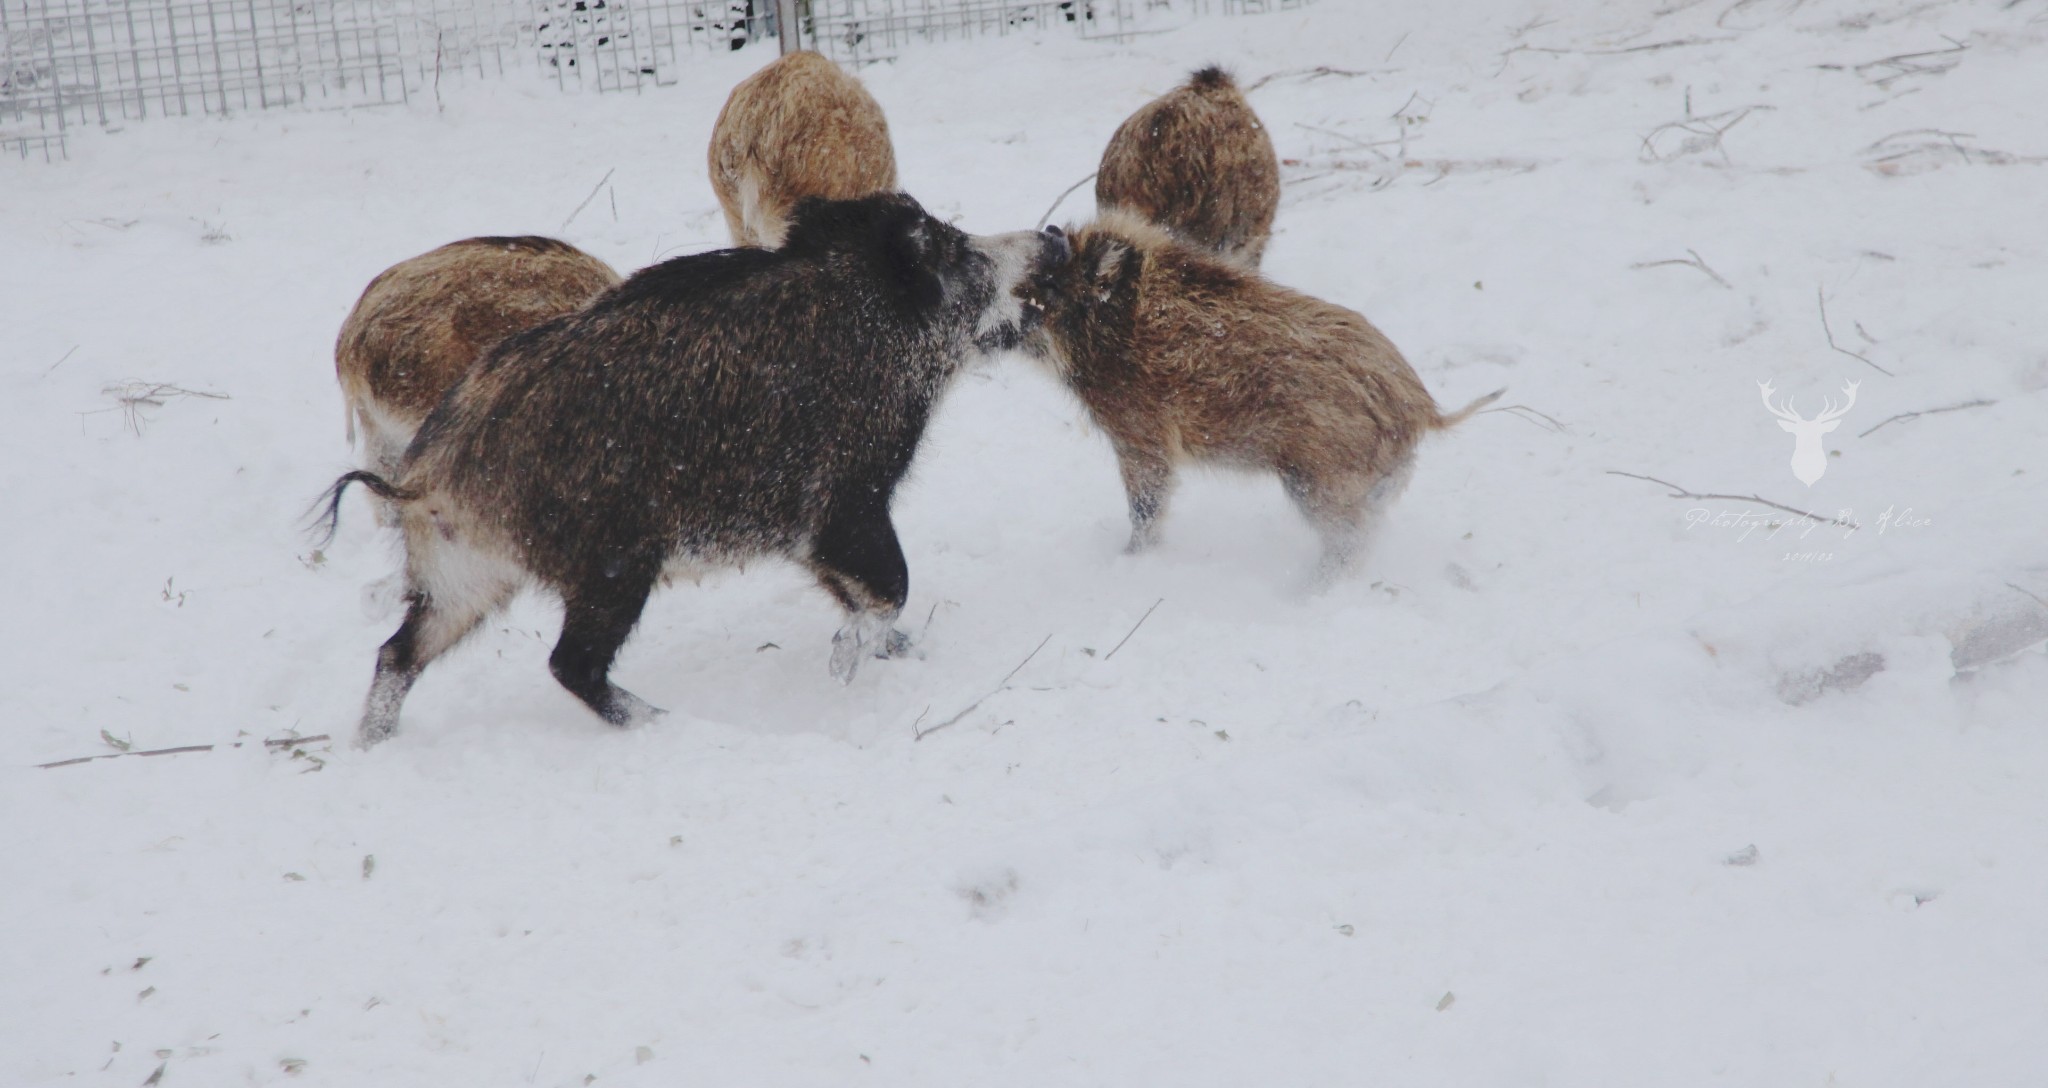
[708,410]
[1196,161]
[324,523]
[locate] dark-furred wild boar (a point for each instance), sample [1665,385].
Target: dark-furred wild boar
[800,127]
[1197,161]
[711,409]
[1183,357]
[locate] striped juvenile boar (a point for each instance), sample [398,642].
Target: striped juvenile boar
[711,409]
[797,128]
[424,322]
[1196,161]
[1183,357]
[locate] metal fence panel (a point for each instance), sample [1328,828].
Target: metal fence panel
[67,63]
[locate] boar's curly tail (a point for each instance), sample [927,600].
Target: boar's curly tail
[1464,413]
[1213,77]
[325,513]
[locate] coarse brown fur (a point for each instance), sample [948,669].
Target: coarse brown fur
[424,322]
[798,128]
[1196,161]
[1182,357]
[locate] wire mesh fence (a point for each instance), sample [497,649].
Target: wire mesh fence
[72,63]
[861,31]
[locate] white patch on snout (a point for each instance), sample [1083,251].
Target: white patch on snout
[1013,255]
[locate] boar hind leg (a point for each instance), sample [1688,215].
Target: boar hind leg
[430,628]
[1346,509]
[597,615]
[1148,482]
[858,560]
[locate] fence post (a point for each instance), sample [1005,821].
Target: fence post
[786,26]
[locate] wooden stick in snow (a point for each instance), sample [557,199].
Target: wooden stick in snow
[282,742]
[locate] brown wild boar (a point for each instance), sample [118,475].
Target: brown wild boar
[709,411]
[797,128]
[1196,161]
[423,322]
[1183,357]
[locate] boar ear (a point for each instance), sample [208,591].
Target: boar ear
[1109,266]
[912,257]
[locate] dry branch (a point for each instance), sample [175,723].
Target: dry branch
[1695,262]
[1822,298]
[132,397]
[1363,145]
[1902,65]
[1890,155]
[1700,132]
[1978,403]
[594,190]
[1653,47]
[1657,47]
[1678,492]
[1134,629]
[1318,72]
[60,362]
[1062,199]
[280,742]
[2029,593]
[917,735]
[1523,412]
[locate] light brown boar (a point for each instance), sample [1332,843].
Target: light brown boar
[1198,162]
[798,128]
[424,322]
[1182,357]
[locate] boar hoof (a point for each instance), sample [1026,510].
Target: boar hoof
[896,644]
[866,634]
[846,655]
[629,711]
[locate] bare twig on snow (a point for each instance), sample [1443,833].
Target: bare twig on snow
[1523,412]
[280,742]
[1318,72]
[1884,71]
[1695,133]
[1978,403]
[1722,20]
[594,190]
[60,362]
[2029,593]
[131,398]
[1678,492]
[1822,298]
[916,735]
[1695,262]
[1134,629]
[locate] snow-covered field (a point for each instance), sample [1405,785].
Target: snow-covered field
[1575,783]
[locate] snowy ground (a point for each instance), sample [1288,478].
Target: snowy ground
[1575,784]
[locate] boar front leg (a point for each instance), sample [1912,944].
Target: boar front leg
[1148,482]
[858,560]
